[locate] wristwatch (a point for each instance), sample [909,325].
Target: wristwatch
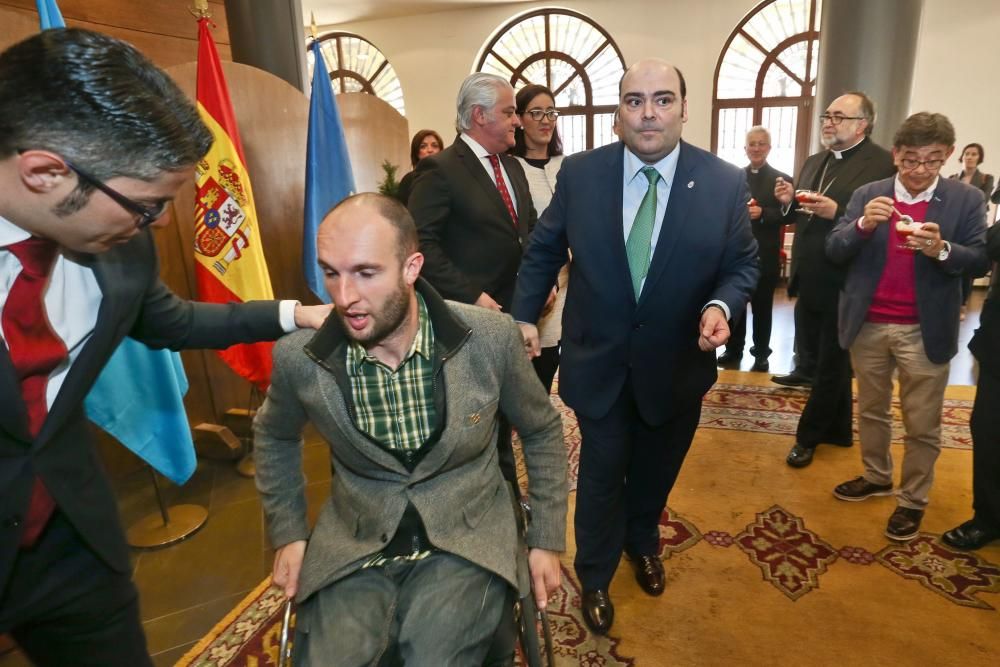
[945,251]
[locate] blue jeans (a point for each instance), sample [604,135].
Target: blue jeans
[440,611]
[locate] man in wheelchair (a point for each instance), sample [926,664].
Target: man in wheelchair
[415,549]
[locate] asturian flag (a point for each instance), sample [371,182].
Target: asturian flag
[229,258]
[138,397]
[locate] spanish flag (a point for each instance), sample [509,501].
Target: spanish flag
[229,257]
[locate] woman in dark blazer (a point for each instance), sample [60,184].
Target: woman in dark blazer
[424,144]
[973,156]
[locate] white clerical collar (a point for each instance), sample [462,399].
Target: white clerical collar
[11,233]
[667,166]
[904,197]
[840,154]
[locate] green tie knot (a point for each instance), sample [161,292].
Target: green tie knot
[651,174]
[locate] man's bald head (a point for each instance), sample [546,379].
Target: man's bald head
[386,208]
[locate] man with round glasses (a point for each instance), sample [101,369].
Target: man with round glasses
[78,272]
[905,243]
[828,178]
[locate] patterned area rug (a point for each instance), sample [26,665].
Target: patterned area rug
[741,407]
[250,634]
[792,558]
[773,410]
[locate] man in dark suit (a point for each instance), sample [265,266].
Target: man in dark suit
[471,201]
[662,255]
[850,161]
[984,526]
[899,307]
[767,222]
[87,162]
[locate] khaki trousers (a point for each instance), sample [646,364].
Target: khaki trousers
[878,350]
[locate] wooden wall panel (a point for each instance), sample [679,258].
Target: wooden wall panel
[164,30]
[374,132]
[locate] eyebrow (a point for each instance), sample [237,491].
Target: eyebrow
[654,94]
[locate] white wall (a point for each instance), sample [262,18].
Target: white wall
[957,73]
[957,70]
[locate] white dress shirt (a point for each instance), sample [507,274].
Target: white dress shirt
[72,299]
[484,159]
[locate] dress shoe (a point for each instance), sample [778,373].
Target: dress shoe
[729,359]
[760,365]
[860,488]
[970,535]
[800,456]
[649,573]
[904,524]
[598,612]
[793,379]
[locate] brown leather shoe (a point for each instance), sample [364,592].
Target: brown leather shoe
[860,488]
[649,573]
[904,524]
[598,612]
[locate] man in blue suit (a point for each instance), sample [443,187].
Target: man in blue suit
[662,256]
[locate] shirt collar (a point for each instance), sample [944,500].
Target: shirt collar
[904,197]
[847,151]
[667,166]
[11,233]
[423,342]
[476,147]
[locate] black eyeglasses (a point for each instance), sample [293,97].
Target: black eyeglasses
[537,114]
[147,215]
[838,119]
[930,165]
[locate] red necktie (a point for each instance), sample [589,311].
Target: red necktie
[35,351]
[502,187]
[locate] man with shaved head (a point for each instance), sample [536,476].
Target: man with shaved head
[663,254]
[415,549]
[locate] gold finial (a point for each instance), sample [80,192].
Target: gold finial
[312,25]
[200,9]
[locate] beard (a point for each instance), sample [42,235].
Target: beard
[389,318]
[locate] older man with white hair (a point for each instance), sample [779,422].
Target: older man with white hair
[471,201]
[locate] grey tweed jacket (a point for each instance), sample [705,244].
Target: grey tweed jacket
[457,488]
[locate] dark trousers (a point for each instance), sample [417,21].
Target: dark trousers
[64,606]
[762,303]
[546,365]
[826,416]
[985,428]
[627,469]
[806,344]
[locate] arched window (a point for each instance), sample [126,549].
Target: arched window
[574,57]
[356,65]
[766,76]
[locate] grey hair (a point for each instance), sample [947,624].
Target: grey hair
[478,90]
[759,129]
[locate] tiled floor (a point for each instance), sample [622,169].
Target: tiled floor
[185,589]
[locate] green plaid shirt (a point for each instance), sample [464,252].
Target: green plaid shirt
[396,406]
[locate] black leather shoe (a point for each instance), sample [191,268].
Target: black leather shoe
[729,359]
[800,456]
[649,573]
[970,535]
[598,612]
[793,379]
[760,365]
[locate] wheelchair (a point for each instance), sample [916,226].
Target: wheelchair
[522,623]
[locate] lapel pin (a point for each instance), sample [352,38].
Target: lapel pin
[474,418]
[690,184]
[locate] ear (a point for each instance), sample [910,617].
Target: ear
[412,266]
[42,171]
[684,110]
[950,151]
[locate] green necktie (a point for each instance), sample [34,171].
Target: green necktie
[641,234]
